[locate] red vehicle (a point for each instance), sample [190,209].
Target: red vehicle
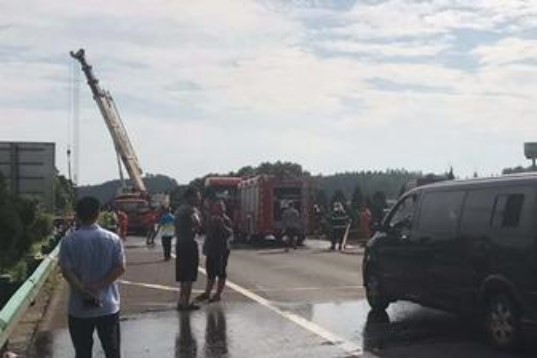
[137,210]
[224,188]
[262,200]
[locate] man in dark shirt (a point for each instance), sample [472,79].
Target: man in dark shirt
[187,225]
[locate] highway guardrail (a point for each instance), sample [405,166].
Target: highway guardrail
[17,305]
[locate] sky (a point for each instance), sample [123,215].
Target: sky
[211,86]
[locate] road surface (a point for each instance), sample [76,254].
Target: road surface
[305,303]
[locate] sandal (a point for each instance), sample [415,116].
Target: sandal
[215,298]
[204,296]
[189,307]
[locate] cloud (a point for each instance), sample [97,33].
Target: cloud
[208,86]
[507,51]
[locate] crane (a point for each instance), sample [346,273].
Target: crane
[135,201]
[122,144]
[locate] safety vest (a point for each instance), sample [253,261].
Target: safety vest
[108,220]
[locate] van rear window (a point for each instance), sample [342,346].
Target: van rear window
[507,209]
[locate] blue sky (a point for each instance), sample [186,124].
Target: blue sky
[210,86]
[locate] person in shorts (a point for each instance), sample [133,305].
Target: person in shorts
[216,249]
[187,225]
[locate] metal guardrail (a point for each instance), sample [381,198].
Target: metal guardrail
[17,305]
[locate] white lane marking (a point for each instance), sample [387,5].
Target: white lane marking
[171,288]
[344,344]
[154,286]
[347,346]
[149,285]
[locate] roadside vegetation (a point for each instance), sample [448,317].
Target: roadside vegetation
[26,228]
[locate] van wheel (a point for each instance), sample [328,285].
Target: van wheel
[374,294]
[501,322]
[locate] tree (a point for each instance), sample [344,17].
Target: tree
[378,204]
[357,198]
[322,200]
[21,225]
[64,191]
[245,171]
[338,196]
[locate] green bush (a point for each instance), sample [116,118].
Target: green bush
[19,272]
[22,224]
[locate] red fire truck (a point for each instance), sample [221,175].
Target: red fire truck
[262,200]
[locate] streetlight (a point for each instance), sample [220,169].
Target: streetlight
[530,151]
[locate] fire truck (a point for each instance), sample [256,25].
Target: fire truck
[263,198]
[134,201]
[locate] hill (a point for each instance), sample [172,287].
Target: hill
[106,191]
[389,182]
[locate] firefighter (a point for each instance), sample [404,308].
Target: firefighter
[339,221]
[123,221]
[152,218]
[365,221]
[291,225]
[108,219]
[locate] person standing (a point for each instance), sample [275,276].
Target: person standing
[187,225]
[365,221]
[166,226]
[216,248]
[151,224]
[339,221]
[291,225]
[123,221]
[108,219]
[91,260]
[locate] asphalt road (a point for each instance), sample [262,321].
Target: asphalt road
[303,303]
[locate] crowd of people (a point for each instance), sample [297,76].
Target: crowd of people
[92,258]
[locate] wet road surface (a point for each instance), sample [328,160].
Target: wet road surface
[305,303]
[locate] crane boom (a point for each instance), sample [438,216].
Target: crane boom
[113,121]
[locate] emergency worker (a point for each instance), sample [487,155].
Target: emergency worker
[108,219]
[291,225]
[365,221]
[152,219]
[123,221]
[339,221]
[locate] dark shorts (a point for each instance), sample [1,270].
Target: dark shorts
[216,266]
[186,263]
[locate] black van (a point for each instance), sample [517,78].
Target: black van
[467,246]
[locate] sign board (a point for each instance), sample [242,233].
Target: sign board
[29,170]
[530,150]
